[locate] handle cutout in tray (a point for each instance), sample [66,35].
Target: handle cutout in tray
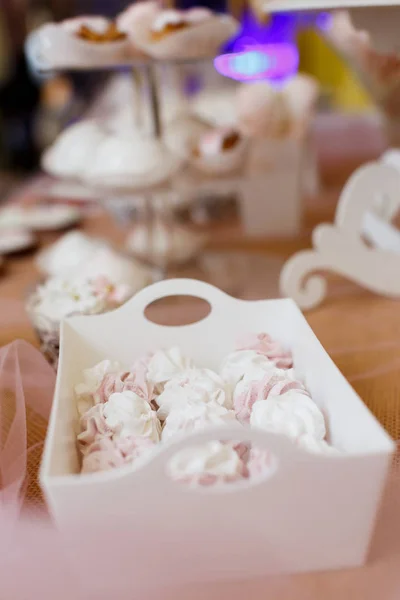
[177,310]
[241,466]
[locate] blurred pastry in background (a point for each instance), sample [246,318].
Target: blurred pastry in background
[182,134]
[171,34]
[127,161]
[219,151]
[266,112]
[72,153]
[87,41]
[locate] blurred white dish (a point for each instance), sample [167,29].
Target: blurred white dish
[163,243]
[67,253]
[39,218]
[73,151]
[130,161]
[59,45]
[16,240]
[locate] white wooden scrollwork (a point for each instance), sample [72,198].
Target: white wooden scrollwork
[361,245]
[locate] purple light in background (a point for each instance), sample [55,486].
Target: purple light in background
[323,21]
[274,62]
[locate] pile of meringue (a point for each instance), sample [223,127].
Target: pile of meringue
[124,414]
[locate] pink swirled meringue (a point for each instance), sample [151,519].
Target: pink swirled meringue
[263,344]
[260,462]
[93,427]
[191,387]
[134,447]
[127,415]
[128,381]
[275,382]
[103,455]
[92,380]
[196,417]
[163,365]
[243,363]
[292,414]
[209,464]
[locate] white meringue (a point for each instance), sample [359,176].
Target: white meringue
[92,379]
[129,415]
[119,269]
[191,387]
[292,414]
[125,160]
[207,464]
[244,363]
[59,298]
[67,253]
[166,364]
[315,446]
[196,417]
[73,151]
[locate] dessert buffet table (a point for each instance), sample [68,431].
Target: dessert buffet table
[359,330]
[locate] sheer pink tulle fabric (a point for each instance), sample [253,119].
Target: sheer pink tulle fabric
[26,390]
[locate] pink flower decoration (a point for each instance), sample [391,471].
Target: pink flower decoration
[263,344]
[102,455]
[272,383]
[106,453]
[106,289]
[93,428]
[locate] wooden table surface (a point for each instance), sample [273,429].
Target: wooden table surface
[361,332]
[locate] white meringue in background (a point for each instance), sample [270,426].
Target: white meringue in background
[191,387]
[208,464]
[117,268]
[58,46]
[195,418]
[72,153]
[67,253]
[129,415]
[292,414]
[127,160]
[92,379]
[202,34]
[164,243]
[166,364]
[243,363]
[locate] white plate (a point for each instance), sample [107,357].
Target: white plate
[16,240]
[39,218]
